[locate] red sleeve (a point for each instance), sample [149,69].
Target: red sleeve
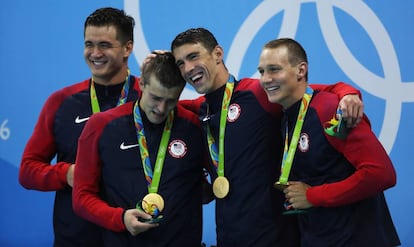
[340,89]
[86,200]
[253,86]
[374,170]
[192,105]
[136,85]
[36,172]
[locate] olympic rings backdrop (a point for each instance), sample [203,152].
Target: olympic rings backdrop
[365,43]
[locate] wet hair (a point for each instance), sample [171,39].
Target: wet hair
[194,36]
[163,67]
[296,53]
[123,23]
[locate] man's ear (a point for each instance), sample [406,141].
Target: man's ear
[218,54]
[128,48]
[302,70]
[141,83]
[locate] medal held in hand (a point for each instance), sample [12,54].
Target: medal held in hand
[152,203]
[221,187]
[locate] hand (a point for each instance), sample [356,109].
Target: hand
[69,175]
[352,109]
[133,225]
[296,195]
[150,56]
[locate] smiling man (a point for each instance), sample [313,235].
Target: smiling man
[335,175]
[243,136]
[108,43]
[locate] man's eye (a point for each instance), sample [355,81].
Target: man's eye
[104,46]
[101,46]
[273,69]
[155,98]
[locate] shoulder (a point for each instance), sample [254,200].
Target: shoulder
[253,86]
[98,121]
[113,113]
[192,104]
[70,90]
[55,99]
[249,84]
[189,115]
[136,83]
[75,88]
[325,103]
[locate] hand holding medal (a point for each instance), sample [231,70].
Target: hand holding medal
[296,200]
[281,186]
[152,204]
[288,206]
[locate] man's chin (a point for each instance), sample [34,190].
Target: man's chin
[273,98]
[201,89]
[157,119]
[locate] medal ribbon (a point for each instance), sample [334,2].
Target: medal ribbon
[289,154]
[122,97]
[153,179]
[218,159]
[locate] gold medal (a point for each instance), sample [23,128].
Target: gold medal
[278,185]
[153,204]
[221,187]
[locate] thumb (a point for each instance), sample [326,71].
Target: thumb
[293,182]
[339,113]
[140,214]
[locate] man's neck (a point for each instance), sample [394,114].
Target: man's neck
[296,95]
[221,79]
[119,78]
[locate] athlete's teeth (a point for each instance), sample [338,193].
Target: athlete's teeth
[196,77]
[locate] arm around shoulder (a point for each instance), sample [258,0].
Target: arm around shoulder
[374,171]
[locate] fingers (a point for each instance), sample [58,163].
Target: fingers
[150,56]
[352,109]
[160,51]
[70,175]
[139,227]
[146,60]
[132,223]
[295,194]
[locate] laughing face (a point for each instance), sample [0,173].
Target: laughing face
[105,55]
[280,79]
[199,67]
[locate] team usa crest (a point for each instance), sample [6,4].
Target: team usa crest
[234,112]
[177,148]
